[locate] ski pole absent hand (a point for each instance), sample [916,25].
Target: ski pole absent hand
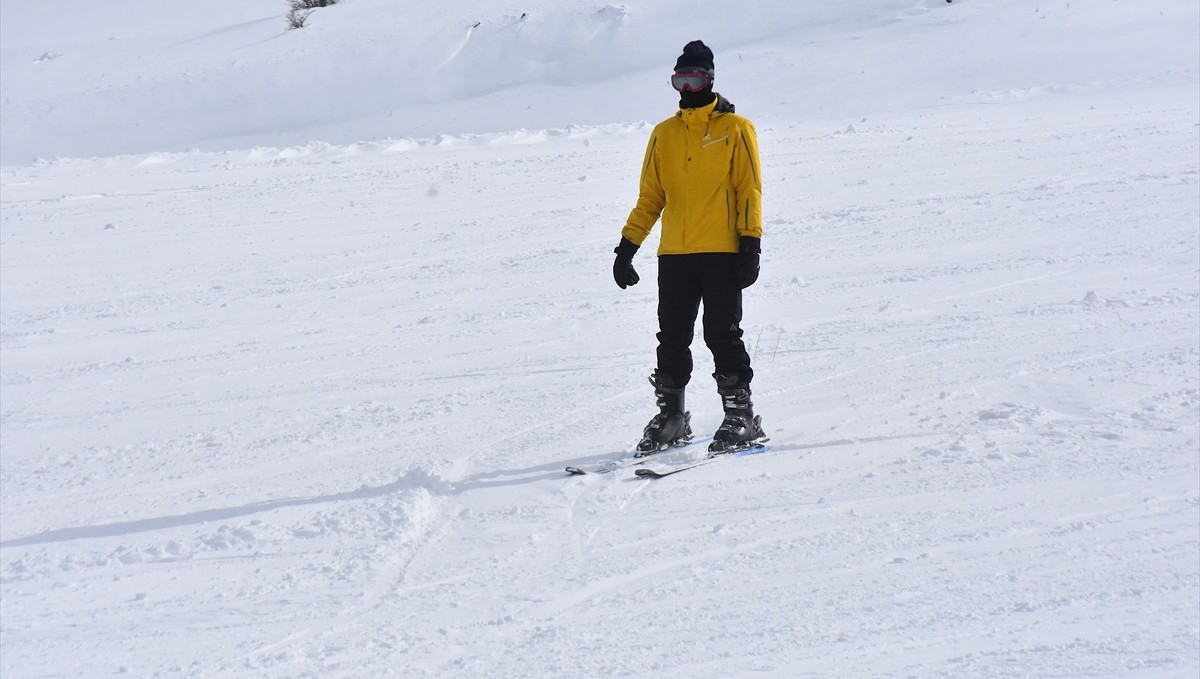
[623,272]
[747,261]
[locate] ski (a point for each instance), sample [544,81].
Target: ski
[660,472]
[631,459]
[608,467]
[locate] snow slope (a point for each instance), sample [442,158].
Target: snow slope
[366,70]
[274,407]
[84,78]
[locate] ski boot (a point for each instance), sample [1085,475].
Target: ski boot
[741,429]
[671,426]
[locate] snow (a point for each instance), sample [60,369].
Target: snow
[299,329]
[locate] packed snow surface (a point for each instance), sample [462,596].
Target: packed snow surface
[300,328]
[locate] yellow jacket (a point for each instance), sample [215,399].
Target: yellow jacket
[701,175]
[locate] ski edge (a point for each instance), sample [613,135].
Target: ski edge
[652,473]
[631,460]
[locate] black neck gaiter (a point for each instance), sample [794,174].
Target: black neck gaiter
[696,99]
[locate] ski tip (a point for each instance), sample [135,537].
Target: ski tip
[647,473]
[576,471]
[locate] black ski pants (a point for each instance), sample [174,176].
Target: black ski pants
[684,281]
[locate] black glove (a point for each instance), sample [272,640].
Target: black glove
[623,272]
[746,267]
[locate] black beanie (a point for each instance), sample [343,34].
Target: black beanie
[695,55]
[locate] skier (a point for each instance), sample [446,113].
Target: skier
[701,175]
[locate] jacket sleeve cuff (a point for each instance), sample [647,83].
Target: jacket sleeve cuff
[626,247]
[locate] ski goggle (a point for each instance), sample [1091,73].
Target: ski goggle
[691,81]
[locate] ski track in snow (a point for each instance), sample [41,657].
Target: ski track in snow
[304,411]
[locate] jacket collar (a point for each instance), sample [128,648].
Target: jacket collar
[704,113]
